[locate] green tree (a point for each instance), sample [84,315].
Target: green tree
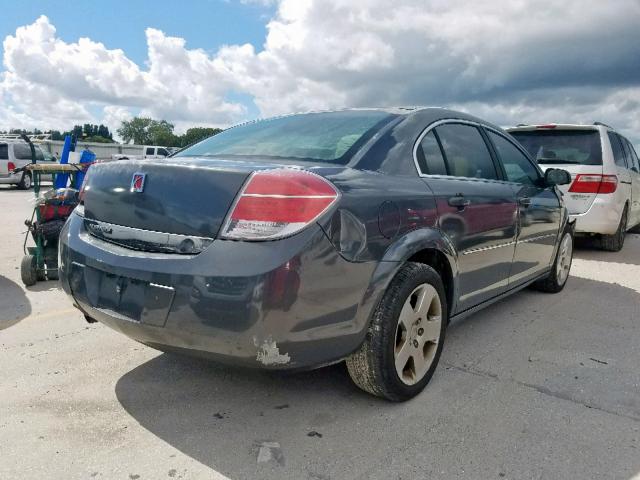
[196,134]
[136,130]
[161,133]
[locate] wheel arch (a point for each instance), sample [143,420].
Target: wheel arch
[428,246]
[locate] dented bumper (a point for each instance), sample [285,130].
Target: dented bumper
[294,303]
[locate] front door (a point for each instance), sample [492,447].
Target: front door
[476,210]
[539,212]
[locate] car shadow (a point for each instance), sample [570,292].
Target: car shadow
[14,304]
[589,249]
[212,412]
[220,415]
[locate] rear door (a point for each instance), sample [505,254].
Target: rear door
[634,173]
[577,150]
[22,153]
[622,169]
[539,211]
[476,209]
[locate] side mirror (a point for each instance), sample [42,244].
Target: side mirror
[556,176]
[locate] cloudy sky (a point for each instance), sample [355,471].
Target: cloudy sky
[218,62]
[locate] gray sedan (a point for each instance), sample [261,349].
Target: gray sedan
[305,240]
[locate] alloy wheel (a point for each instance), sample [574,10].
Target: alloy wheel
[417,334]
[565,255]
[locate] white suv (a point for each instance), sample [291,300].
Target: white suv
[604,196]
[15,154]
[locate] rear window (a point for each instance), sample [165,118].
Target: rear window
[580,147]
[4,152]
[325,137]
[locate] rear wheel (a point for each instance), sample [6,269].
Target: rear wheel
[29,270]
[615,242]
[405,338]
[557,278]
[25,183]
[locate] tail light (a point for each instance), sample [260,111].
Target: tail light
[278,203]
[594,183]
[11,166]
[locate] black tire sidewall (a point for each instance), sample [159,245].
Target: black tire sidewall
[397,295]
[23,185]
[29,270]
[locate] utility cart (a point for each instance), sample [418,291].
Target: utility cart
[40,261]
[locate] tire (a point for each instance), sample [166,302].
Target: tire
[29,270]
[25,182]
[615,242]
[53,273]
[559,274]
[390,339]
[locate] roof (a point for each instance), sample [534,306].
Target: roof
[554,126]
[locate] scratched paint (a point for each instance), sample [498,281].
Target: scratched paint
[269,353]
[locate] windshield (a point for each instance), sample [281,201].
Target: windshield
[580,147]
[325,137]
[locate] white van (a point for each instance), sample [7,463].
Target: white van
[604,196]
[14,154]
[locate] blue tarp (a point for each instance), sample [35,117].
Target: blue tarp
[87,157]
[63,178]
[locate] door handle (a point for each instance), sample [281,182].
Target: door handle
[459,201]
[524,201]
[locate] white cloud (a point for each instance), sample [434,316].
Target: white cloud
[510,62]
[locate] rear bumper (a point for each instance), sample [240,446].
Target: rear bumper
[289,304]
[10,179]
[603,217]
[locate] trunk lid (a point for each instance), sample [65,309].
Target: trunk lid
[576,203]
[187,197]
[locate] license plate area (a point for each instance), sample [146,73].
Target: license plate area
[129,298]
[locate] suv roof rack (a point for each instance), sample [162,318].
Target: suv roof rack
[36,138]
[603,125]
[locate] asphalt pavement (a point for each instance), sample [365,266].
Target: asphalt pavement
[536,386]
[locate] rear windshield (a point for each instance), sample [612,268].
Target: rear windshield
[324,137]
[580,147]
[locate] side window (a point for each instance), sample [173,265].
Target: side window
[162,151]
[149,151]
[4,152]
[430,157]
[39,155]
[632,158]
[466,152]
[516,165]
[618,152]
[22,151]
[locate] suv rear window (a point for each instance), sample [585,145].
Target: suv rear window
[324,137]
[557,146]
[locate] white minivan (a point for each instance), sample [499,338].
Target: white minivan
[604,196]
[16,153]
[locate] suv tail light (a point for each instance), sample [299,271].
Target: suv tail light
[11,166]
[594,183]
[278,203]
